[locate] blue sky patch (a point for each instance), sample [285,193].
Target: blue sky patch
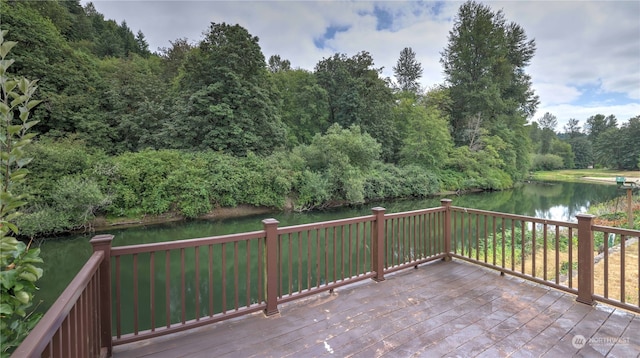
[595,95]
[330,33]
[384,18]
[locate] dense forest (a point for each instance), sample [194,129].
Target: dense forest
[127,132]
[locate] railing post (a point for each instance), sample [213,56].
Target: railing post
[585,259]
[377,244]
[447,228]
[103,243]
[272,270]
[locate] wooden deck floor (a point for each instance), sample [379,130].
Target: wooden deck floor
[441,309]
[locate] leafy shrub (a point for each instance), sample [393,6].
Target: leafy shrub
[18,270]
[547,162]
[74,201]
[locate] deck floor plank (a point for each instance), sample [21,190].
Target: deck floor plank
[441,309]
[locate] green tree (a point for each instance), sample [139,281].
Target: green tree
[69,82]
[548,123]
[484,64]
[174,57]
[427,141]
[564,151]
[572,128]
[225,101]
[631,149]
[136,103]
[343,156]
[620,147]
[303,105]
[599,124]
[277,64]
[18,270]
[582,148]
[408,71]
[608,148]
[357,95]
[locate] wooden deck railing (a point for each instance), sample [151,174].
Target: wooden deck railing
[78,323]
[167,287]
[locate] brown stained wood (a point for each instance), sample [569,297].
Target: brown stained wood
[442,309]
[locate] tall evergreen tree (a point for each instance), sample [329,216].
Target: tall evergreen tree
[572,128]
[484,64]
[408,71]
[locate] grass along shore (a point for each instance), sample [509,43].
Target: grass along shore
[604,176]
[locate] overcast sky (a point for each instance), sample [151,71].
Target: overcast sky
[587,59]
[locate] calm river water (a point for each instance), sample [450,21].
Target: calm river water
[63,257]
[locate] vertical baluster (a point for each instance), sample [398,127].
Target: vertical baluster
[504,253]
[183,288]
[248,259]
[308,260]
[570,257]
[224,277]
[477,229]
[261,273]
[196,252]
[350,259]
[523,238]
[300,261]
[416,241]
[167,287]
[290,266]
[494,240]
[513,245]
[335,266]
[606,264]
[66,337]
[152,291]
[210,264]
[485,237]
[462,234]
[557,246]
[236,289]
[404,240]
[544,252]
[326,256]
[118,301]
[342,252]
[623,255]
[357,249]
[135,294]
[82,327]
[469,236]
[533,249]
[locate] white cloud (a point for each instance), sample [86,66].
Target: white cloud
[564,112]
[556,93]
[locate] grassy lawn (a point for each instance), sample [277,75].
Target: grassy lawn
[586,175]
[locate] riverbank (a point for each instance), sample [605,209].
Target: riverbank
[102,223]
